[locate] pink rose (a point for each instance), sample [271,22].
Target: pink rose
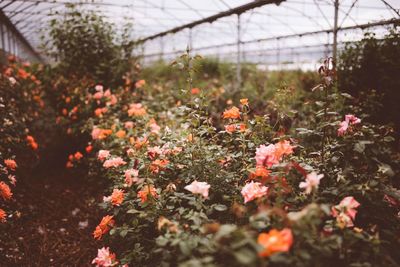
[312,182]
[198,188]
[103,154]
[253,190]
[265,155]
[113,163]
[345,212]
[104,258]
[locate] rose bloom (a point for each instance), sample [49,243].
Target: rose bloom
[283,148]
[113,100]
[352,119]
[349,119]
[31,141]
[100,134]
[12,80]
[154,151]
[195,91]
[275,241]
[272,154]
[201,188]
[344,125]
[105,258]
[130,152]
[242,127]
[261,172]
[230,128]
[69,165]
[89,148]
[99,88]
[114,163]
[11,164]
[154,128]
[232,113]
[147,190]
[244,101]
[107,93]
[136,109]
[140,83]
[98,112]
[103,154]
[253,190]
[158,165]
[78,155]
[2,216]
[98,95]
[312,182]
[120,134]
[265,155]
[104,226]
[129,124]
[131,176]
[12,179]
[5,191]
[116,197]
[140,142]
[345,212]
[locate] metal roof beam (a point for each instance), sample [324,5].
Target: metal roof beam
[21,38]
[234,11]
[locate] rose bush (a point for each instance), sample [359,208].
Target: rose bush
[21,107]
[241,188]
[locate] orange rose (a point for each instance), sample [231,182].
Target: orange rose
[11,164]
[148,189]
[89,149]
[120,134]
[5,191]
[104,226]
[230,128]
[195,91]
[275,241]
[244,101]
[232,113]
[2,216]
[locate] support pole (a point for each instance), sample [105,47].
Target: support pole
[2,37]
[238,63]
[161,49]
[278,55]
[335,29]
[143,57]
[190,39]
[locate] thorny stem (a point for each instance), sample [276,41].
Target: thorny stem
[326,88]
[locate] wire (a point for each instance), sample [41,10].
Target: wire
[191,8]
[392,8]
[323,14]
[348,12]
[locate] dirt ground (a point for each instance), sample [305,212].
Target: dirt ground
[56,214]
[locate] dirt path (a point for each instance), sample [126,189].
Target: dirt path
[58,212]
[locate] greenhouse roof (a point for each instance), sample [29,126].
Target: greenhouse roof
[173,24]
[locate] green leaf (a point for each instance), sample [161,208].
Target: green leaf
[220,207]
[245,256]
[123,233]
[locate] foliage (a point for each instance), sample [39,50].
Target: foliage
[21,104]
[188,187]
[370,67]
[83,43]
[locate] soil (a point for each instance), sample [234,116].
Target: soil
[56,214]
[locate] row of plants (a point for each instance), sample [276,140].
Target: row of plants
[368,68]
[203,175]
[21,104]
[189,189]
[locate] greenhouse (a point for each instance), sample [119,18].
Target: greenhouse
[199,133]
